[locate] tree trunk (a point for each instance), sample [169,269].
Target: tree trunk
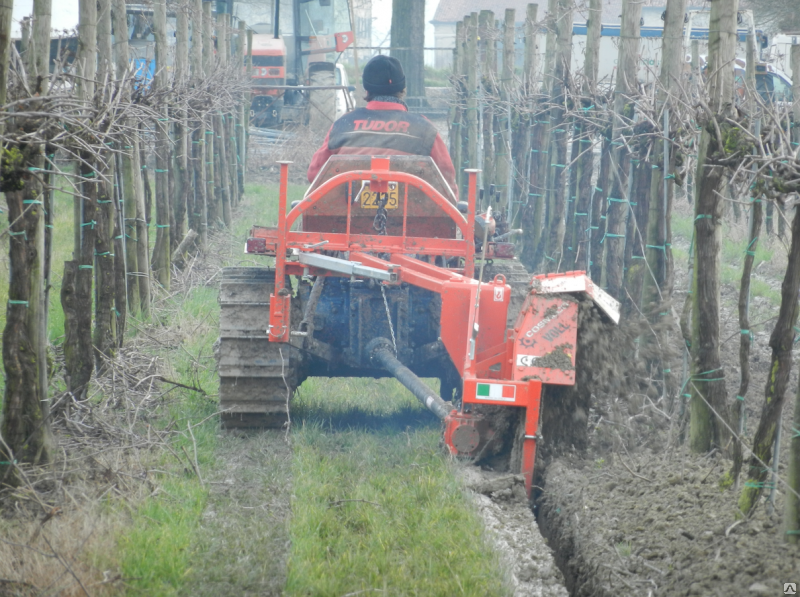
[585,133]
[527,128]
[656,290]
[25,422]
[625,94]
[746,338]
[408,32]
[161,250]
[781,341]
[503,119]
[487,34]
[707,383]
[599,210]
[471,57]
[792,517]
[105,277]
[558,123]
[635,270]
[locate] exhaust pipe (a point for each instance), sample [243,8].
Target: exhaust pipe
[382,355]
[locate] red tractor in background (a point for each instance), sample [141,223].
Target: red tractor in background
[375,275]
[296,71]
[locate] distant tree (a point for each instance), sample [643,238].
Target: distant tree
[408,31]
[775,15]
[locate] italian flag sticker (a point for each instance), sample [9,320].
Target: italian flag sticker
[496,391]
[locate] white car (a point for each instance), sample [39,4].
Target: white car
[345,98]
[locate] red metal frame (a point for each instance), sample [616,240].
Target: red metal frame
[539,349]
[528,396]
[379,175]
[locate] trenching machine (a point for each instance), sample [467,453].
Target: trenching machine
[375,275]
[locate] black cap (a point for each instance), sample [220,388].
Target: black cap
[383,75]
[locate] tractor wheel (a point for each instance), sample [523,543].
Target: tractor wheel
[256,377]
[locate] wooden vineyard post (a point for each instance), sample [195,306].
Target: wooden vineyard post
[520,123]
[582,221]
[624,110]
[559,136]
[456,112]
[26,422]
[634,268]
[656,289]
[42,261]
[220,125]
[105,331]
[707,383]
[6,11]
[241,119]
[539,171]
[212,193]
[249,95]
[230,120]
[530,226]
[221,187]
[488,92]
[754,223]
[131,189]
[792,514]
[198,214]
[182,142]
[76,289]
[161,250]
[504,120]
[472,95]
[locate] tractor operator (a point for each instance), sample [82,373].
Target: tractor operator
[385,126]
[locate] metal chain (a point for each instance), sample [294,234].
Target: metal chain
[379,223]
[389,317]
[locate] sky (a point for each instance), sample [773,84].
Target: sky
[64,14]
[382,21]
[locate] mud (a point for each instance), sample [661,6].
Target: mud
[557,358]
[626,508]
[658,524]
[527,560]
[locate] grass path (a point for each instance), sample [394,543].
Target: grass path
[358,498]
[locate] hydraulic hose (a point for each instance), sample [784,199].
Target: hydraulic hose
[382,356]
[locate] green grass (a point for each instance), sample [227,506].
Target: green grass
[359,439]
[732,257]
[378,507]
[157,551]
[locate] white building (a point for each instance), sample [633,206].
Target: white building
[449,12]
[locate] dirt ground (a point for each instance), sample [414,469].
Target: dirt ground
[627,512]
[637,514]
[501,501]
[244,538]
[658,524]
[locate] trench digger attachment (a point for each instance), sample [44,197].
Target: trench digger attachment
[394,293]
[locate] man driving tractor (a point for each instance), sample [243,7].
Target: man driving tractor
[384,126]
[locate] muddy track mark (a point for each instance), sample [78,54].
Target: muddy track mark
[243,540]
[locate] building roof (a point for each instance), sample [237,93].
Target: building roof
[450,11]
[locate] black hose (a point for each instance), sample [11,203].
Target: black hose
[382,356]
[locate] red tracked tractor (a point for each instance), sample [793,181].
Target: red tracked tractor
[375,275]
